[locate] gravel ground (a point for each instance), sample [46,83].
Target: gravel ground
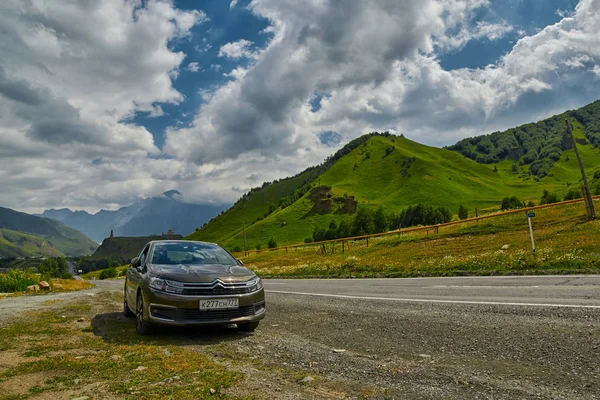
[387,350]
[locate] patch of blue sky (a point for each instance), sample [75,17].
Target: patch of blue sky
[315,101]
[329,138]
[202,47]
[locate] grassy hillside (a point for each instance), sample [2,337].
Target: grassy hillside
[67,240]
[395,172]
[17,244]
[565,243]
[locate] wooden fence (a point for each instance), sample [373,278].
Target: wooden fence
[433,228]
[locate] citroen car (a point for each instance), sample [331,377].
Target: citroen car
[178,282]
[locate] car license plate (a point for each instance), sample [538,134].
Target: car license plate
[219,304]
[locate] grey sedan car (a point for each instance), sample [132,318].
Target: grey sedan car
[178,282]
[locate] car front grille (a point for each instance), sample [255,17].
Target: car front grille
[207,315]
[216,288]
[215,291]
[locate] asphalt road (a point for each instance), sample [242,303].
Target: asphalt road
[527,337]
[73,271]
[542,291]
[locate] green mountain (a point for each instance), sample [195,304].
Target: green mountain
[395,173]
[17,244]
[539,145]
[66,240]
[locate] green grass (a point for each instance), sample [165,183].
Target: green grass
[17,281]
[437,177]
[566,243]
[104,359]
[122,270]
[18,244]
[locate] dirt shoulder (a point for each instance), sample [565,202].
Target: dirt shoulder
[308,348]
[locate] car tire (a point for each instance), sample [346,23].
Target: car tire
[127,313]
[248,326]
[142,327]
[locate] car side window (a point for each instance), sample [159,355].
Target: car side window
[144,255]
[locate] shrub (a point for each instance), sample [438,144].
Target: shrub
[573,194]
[344,229]
[380,220]
[463,213]
[549,198]
[530,204]
[236,249]
[108,273]
[509,203]
[17,281]
[258,247]
[597,174]
[308,240]
[272,243]
[363,222]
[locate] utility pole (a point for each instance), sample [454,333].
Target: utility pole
[587,195]
[245,245]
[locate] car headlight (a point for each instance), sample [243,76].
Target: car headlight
[255,284]
[166,286]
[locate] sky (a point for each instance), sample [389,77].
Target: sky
[106,102]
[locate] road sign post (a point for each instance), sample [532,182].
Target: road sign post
[529,216]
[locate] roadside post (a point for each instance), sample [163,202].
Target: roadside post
[529,216]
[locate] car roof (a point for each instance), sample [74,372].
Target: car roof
[181,241]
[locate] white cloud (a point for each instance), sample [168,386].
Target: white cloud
[233,4]
[193,67]
[71,77]
[237,50]
[596,70]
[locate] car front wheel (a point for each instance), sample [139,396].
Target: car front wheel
[142,327]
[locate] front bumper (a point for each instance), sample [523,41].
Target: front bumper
[181,310]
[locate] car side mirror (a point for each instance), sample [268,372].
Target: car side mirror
[240,261]
[135,262]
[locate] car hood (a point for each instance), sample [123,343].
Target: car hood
[201,273]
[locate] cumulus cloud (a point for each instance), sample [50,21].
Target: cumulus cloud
[69,86]
[237,50]
[233,4]
[193,67]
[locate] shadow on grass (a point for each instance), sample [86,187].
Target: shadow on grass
[117,329]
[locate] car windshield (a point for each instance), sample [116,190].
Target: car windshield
[190,253]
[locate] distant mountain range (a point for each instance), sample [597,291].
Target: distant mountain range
[24,235]
[153,216]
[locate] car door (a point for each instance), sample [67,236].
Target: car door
[134,277]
